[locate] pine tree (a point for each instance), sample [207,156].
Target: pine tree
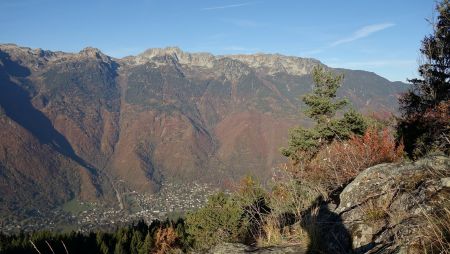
[321,102]
[136,242]
[424,124]
[123,241]
[322,105]
[102,242]
[147,245]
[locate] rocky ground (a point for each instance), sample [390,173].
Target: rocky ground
[383,210]
[241,248]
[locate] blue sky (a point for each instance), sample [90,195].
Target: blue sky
[381,36]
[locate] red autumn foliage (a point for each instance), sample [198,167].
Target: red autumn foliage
[340,162]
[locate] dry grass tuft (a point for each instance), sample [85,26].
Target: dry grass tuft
[436,234]
[165,240]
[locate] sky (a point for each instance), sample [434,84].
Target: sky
[381,36]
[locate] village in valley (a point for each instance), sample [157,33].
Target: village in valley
[172,201]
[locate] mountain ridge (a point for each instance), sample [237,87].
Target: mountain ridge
[279,62]
[132,123]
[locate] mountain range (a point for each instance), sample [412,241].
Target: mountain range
[91,127]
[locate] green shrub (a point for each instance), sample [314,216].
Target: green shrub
[222,219]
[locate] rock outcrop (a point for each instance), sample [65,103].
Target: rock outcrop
[385,207]
[237,248]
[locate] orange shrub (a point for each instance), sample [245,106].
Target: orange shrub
[165,240]
[340,162]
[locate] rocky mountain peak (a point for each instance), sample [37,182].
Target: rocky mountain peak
[91,52]
[174,51]
[274,63]
[32,58]
[7,46]
[267,63]
[232,69]
[195,59]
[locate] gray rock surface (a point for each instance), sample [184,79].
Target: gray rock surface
[383,207]
[267,63]
[228,248]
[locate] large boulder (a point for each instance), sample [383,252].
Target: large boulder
[384,207]
[236,248]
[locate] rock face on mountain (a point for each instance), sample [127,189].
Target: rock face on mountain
[385,208]
[128,124]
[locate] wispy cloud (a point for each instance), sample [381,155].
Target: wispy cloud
[227,6]
[362,33]
[358,34]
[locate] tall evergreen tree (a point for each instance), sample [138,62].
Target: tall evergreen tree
[136,242]
[322,106]
[321,102]
[424,124]
[147,245]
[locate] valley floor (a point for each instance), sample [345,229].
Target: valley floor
[172,201]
